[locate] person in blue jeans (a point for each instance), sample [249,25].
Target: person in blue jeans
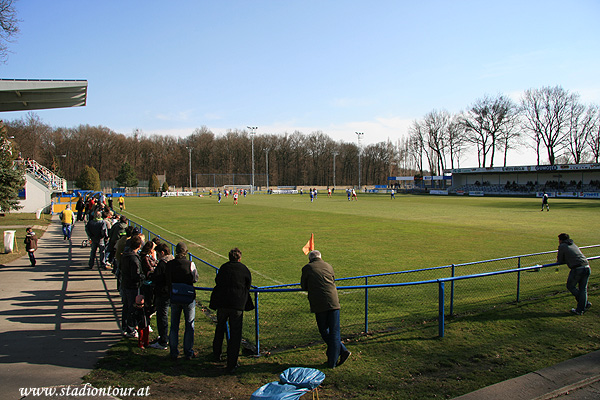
[319,281]
[161,296]
[182,270]
[579,275]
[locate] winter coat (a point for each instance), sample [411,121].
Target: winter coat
[232,289]
[318,279]
[569,253]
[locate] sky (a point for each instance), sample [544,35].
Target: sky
[336,66]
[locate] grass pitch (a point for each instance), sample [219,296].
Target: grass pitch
[374,235]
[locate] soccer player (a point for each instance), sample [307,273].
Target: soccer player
[219,196]
[235,198]
[545,202]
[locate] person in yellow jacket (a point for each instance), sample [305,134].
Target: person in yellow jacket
[121,202]
[67,222]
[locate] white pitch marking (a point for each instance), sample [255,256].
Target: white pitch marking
[205,248]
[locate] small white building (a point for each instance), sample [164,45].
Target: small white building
[40,184]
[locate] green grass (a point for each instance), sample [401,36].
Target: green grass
[490,338]
[373,235]
[21,220]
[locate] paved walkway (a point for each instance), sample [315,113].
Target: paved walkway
[59,318]
[56,319]
[575,379]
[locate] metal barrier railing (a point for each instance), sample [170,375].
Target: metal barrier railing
[373,296]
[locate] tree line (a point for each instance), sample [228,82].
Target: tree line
[550,121]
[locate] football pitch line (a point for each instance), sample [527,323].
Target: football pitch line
[203,247]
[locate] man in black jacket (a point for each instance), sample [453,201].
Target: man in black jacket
[231,297]
[131,279]
[98,234]
[115,233]
[182,270]
[161,296]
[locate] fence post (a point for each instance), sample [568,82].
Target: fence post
[452,291]
[518,280]
[366,305]
[256,321]
[441,309]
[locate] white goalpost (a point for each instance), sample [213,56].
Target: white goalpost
[248,188]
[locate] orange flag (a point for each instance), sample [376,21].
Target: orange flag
[310,245]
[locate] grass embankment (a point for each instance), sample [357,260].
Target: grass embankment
[18,222]
[373,235]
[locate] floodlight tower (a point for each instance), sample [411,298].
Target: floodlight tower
[252,133]
[335,153]
[190,151]
[267,161]
[359,135]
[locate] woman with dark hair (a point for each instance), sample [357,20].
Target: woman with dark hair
[148,256]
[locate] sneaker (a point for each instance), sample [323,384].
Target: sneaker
[343,358]
[158,346]
[131,334]
[192,355]
[150,329]
[574,311]
[588,305]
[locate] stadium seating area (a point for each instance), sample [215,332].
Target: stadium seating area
[513,188]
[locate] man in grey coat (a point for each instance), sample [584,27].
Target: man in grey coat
[577,282]
[318,280]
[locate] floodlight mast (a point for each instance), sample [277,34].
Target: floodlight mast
[190,151]
[359,135]
[252,133]
[267,162]
[335,153]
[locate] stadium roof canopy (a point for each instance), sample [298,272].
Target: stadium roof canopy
[28,94]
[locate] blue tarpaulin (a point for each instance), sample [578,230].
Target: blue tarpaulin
[293,383]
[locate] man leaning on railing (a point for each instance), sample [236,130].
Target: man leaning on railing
[579,275]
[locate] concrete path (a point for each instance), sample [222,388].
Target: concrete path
[575,379]
[57,319]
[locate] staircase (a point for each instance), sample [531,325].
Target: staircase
[44,176]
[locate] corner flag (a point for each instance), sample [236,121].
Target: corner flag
[310,245]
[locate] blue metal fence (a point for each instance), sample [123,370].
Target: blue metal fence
[387,294]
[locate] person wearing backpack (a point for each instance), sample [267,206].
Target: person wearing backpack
[31,244]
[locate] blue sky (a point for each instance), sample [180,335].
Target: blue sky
[282,65]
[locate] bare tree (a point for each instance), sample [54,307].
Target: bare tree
[581,127]
[487,122]
[546,117]
[416,145]
[456,141]
[435,125]
[594,137]
[9,27]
